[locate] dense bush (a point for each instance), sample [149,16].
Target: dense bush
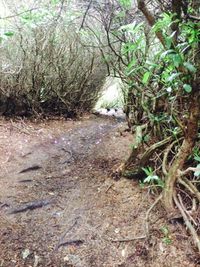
[47,66]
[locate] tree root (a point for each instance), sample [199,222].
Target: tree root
[188,224]
[189,185]
[146,236]
[166,154]
[136,170]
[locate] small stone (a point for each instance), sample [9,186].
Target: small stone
[37,261]
[66,258]
[123,252]
[117,230]
[25,253]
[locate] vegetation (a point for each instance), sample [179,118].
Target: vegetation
[46,67]
[155,52]
[154,48]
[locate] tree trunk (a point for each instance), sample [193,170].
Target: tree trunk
[191,133]
[151,19]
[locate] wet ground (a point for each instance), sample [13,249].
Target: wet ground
[61,206]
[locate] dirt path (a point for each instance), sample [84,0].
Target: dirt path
[59,205]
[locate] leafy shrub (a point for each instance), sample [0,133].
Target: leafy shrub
[47,66]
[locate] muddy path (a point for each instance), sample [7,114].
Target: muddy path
[60,206]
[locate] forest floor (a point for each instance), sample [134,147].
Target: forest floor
[60,205]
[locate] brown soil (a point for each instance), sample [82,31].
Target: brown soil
[68,210]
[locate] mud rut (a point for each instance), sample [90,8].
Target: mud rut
[68,211]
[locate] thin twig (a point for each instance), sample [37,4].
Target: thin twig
[85,14]
[148,213]
[25,131]
[186,211]
[75,242]
[108,188]
[61,240]
[18,14]
[128,239]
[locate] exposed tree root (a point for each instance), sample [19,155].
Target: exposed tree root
[191,188]
[133,166]
[146,236]
[188,224]
[166,154]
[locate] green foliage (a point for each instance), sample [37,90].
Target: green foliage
[164,23]
[187,88]
[146,77]
[9,33]
[55,2]
[166,239]
[197,172]
[125,3]
[176,56]
[152,178]
[196,153]
[196,156]
[189,66]
[191,32]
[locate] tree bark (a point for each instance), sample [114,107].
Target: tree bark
[150,18]
[191,133]
[191,129]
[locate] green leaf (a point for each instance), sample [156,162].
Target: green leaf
[197,172]
[54,2]
[187,88]
[173,76]
[151,178]
[197,158]
[9,34]
[148,171]
[132,27]
[152,64]
[167,240]
[131,64]
[190,67]
[168,52]
[165,230]
[177,60]
[161,183]
[125,3]
[146,77]
[168,42]
[27,16]
[129,47]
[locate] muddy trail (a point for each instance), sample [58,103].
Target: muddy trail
[60,205]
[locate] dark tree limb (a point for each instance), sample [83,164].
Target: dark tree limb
[85,15]
[150,18]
